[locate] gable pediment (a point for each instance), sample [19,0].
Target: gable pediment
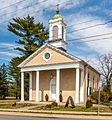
[55,56]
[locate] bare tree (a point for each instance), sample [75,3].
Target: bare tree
[105,68]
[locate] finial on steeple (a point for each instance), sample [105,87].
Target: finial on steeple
[57,13]
[57,9]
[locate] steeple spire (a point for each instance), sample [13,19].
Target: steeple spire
[57,13]
[57,9]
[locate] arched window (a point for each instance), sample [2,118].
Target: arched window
[62,33]
[55,32]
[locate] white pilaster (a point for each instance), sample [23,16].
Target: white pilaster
[22,86]
[77,86]
[30,89]
[82,87]
[60,31]
[37,86]
[57,85]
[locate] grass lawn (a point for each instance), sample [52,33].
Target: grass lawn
[9,101]
[18,105]
[77,108]
[9,104]
[108,104]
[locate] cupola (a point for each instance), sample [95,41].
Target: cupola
[57,31]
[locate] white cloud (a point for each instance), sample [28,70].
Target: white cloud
[93,8]
[91,60]
[36,9]
[101,46]
[11,54]
[63,3]
[8,45]
[84,48]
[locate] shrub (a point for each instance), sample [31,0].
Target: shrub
[104,96]
[46,97]
[14,104]
[94,96]
[61,98]
[54,104]
[26,95]
[89,104]
[110,96]
[49,106]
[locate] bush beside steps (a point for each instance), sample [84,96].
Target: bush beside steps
[52,105]
[89,104]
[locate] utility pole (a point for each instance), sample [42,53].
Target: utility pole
[99,101]
[99,85]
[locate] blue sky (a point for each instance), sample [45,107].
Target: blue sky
[73,12]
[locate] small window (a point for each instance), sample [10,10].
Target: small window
[47,55]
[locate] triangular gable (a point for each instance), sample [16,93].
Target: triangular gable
[57,56]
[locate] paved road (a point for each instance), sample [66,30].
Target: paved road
[18,117]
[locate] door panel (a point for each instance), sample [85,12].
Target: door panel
[53,91]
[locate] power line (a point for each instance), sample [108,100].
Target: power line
[23,8]
[78,38]
[75,39]
[90,27]
[71,42]
[90,20]
[37,11]
[90,36]
[89,40]
[84,28]
[12,4]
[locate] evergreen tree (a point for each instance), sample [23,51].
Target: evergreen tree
[32,35]
[14,76]
[3,82]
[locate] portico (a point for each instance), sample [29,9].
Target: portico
[57,71]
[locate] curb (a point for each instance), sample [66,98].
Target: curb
[55,115]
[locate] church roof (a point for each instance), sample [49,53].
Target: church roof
[57,16]
[74,58]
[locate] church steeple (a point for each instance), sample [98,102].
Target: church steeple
[57,33]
